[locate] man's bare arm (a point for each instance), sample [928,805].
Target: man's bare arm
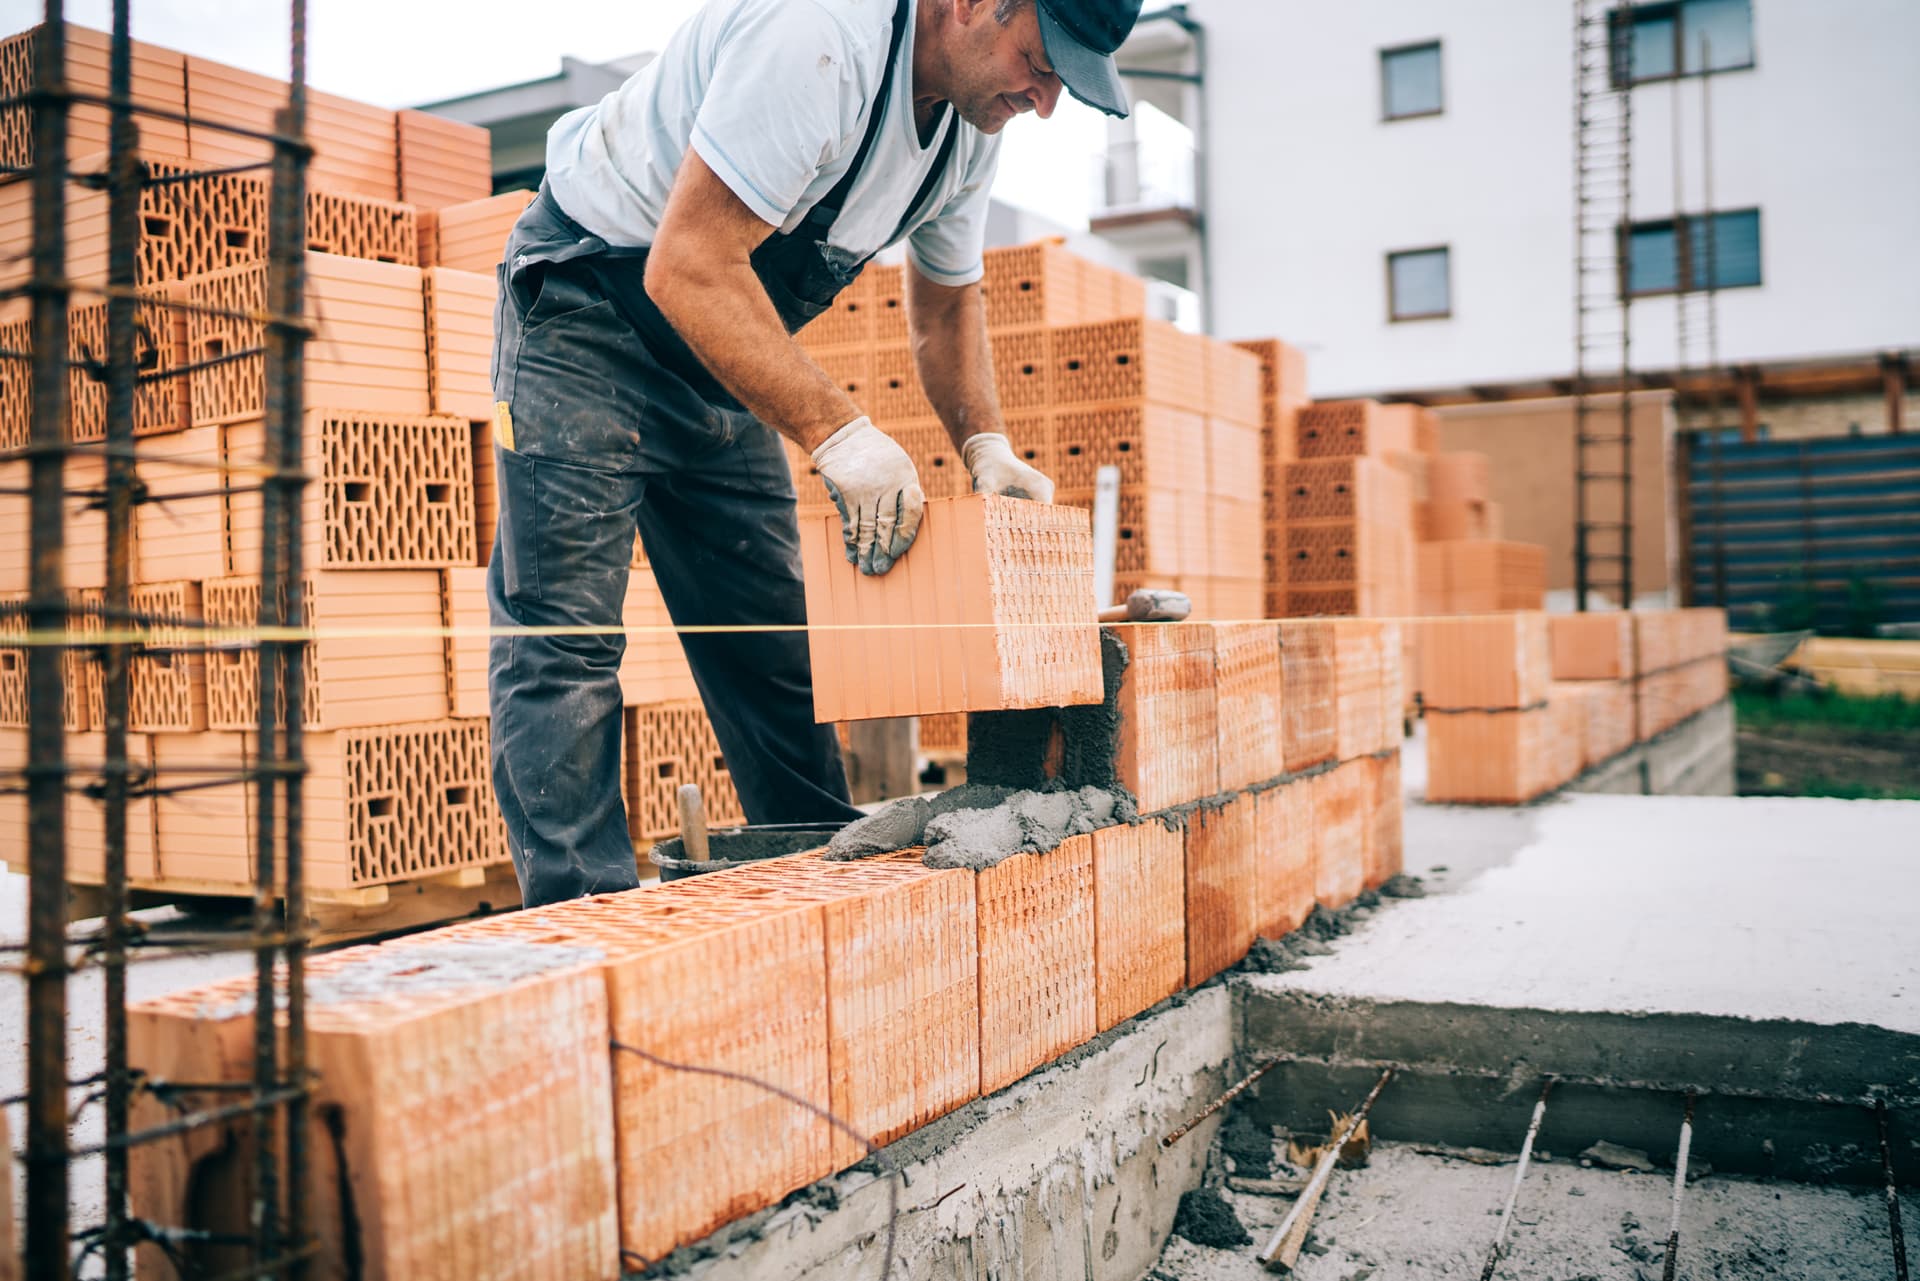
[953,354]
[700,274]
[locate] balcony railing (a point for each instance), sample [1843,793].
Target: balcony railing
[1143,176]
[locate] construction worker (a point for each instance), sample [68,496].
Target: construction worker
[690,223]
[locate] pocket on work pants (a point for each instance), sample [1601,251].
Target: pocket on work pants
[570,373]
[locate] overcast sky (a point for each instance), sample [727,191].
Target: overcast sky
[397,53]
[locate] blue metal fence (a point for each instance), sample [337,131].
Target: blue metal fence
[1803,533]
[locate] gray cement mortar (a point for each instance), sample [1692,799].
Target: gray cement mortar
[978,825]
[1411,1215]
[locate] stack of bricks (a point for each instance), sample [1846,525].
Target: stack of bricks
[1085,380]
[1464,566]
[884,991]
[1520,704]
[397,521]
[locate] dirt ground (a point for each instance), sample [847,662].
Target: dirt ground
[1414,1216]
[1824,760]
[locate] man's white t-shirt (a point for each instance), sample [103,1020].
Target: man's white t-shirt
[774,95]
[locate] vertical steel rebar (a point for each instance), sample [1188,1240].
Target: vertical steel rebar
[1894,1227]
[123,234]
[285,371]
[1679,1191]
[47,1107]
[1499,1248]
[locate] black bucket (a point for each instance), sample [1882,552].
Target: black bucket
[741,847]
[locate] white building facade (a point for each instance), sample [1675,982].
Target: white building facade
[1389,184]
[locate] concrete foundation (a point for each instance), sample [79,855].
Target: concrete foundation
[1061,1175]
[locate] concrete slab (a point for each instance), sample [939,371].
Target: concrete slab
[1745,907]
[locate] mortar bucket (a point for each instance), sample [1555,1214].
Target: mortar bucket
[741,846]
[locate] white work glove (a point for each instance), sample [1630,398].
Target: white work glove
[875,486]
[990,461]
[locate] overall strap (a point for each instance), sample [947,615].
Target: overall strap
[820,219]
[933,176]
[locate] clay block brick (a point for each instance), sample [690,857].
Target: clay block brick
[1283,394]
[1139,934]
[400,802]
[944,737]
[1310,724]
[1358,656]
[1396,700]
[1341,832]
[1160,532]
[84,564]
[1284,857]
[669,745]
[1492,662]
[158,81]
[81,670]
[354,143]
[1043,283]
[1222,881]
[848,323]
[1486,576]
[1458,493]
[16,381]
[1248,694]
[446,1074]
[368,353]
[1234,598]
[1610,713]
[377,658]
[1125,360]
[459,309]
[362,227]
[1362,489]
[654,669]
[895,392]
[1023,369]
[1496,758]
[1592,647]
[902,983]
[889,304]
[1566,739]
[1168,707]
[463,612]
[1386,809]
[201,834]
[389,491]
[997,596]
[1234,384]
[473,236]
[167,686]
[86,811]
[180,533]
[160,396]
[442,161]
[1354,428]
[1234,466]
[942,474]
[1036,960]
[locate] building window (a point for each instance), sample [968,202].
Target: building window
[1705,251]
[1418,285]
[1683,38]
[1410,81]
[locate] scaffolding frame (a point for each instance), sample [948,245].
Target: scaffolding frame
[1603,302]
[273,1103]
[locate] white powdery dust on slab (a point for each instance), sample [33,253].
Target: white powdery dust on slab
[1743,907]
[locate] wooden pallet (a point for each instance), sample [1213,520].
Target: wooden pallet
[333,916]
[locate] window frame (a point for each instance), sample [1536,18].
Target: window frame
[1683,273]
[1387,115]
[1393,303]
[1620,37]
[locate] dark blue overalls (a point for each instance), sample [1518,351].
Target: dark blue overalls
[615,425]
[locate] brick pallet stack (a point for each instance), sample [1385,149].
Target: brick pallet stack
[885,990]
[1465,567]
[1519,704]
[397,520]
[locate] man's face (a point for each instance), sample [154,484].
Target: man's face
[1001,71]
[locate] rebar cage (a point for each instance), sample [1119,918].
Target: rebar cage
[52,627]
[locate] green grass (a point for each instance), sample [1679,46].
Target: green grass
[1887,714]
[1848,790]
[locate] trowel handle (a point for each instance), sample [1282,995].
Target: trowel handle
[693,823]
